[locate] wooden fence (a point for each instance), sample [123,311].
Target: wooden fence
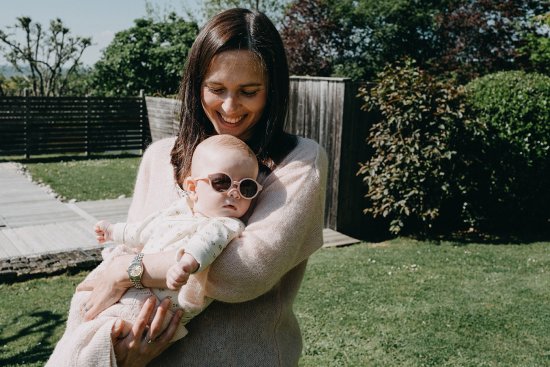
[327,111]
[323,109]
[33,126]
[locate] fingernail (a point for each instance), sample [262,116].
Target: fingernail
[118,324]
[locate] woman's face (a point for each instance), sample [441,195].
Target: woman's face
[234,92]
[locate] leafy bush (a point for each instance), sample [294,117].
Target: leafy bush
[409,175]
[516,106]
[514,180]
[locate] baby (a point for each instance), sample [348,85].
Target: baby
[199,226]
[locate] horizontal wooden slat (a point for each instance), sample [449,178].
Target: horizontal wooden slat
[43,125]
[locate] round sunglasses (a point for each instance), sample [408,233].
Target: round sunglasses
[221,182]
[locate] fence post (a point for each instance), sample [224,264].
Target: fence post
[87,122]
[142,118]
[26,123]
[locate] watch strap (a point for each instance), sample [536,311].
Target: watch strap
[136,280]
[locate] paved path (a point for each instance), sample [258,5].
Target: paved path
[33,223]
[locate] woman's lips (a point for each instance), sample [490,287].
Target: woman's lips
[231,120]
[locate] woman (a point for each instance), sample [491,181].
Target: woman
[235,82]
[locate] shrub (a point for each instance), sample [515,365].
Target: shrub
[513,184]
[410,173]
[515,106]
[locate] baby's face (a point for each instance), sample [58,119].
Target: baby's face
[213,203]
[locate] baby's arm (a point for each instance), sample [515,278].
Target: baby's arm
[178,273]
[202,248]
[104,231]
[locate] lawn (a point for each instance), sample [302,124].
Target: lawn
[93,179]
[400,303]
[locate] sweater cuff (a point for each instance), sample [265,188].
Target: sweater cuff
[118,232]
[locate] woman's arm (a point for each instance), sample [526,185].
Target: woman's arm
[113,281]
[284,229]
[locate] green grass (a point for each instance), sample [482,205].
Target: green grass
[93,179]
[402,303]
[418,304]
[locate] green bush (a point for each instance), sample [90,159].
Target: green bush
[410,175]
[515,106]
[513,174]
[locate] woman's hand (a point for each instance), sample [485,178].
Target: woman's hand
[139,344]
[107,288]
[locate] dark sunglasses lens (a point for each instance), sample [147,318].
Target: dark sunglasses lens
[220,182]
[248,188]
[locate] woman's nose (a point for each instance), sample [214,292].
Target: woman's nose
[230,104]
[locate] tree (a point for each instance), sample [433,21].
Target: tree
[272,8]
[462,38]
[52,56]
[537,44]
[14,85]
[148,56]
[483,36]
[356,39]
[322,38]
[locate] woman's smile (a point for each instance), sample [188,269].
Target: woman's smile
[231,120]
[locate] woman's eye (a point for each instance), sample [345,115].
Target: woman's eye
[249,93]
[215,90]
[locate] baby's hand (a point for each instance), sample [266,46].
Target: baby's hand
[103,231]
[178,274]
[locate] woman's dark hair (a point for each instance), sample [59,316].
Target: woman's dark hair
[235,29]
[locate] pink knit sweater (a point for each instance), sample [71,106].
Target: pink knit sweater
[256,278]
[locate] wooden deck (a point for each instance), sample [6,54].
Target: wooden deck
[33,222]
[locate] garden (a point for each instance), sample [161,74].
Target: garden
[452,269]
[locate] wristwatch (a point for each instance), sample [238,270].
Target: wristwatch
[135,271]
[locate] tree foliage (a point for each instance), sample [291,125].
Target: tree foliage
[51,55]
[149,56]
[272,8]
[483,36]
[313,37]
[410,173]
[537,44]
[459,38]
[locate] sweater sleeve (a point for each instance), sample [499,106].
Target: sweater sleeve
[155,185]
[284,229]
[136,234]
[141,187]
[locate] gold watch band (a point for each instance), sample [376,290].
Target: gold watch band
[135,271]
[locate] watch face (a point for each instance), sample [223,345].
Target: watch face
[135,270]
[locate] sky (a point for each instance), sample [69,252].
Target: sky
[99,19]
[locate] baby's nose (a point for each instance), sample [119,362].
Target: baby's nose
[234,193]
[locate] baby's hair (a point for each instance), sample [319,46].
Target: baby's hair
[224,142]
[227,141]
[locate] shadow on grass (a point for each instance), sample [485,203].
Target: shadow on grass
[40,332]
[463,238]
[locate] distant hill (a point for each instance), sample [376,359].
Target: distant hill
[8,71]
